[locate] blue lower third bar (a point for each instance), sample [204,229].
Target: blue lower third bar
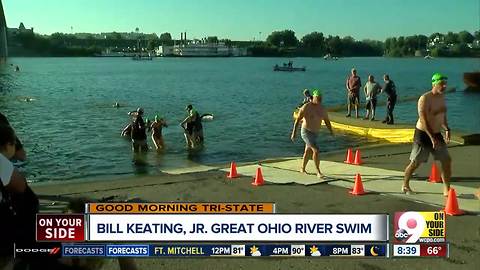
[127,250]
[190,250]
[83,250]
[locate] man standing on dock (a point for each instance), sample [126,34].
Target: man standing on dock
[353,85]
[389,89]
[312,113]
[432,112]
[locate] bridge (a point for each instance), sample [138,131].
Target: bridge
[3,36]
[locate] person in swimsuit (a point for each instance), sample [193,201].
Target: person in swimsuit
[193,128]
[156,128]
[428,139]
[138,132]
[312,114]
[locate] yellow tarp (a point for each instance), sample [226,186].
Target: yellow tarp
[394,135]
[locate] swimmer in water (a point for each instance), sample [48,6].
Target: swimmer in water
[17,68]
[156,128]
[193,129]
[116,105]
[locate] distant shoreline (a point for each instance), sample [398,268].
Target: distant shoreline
[248,56]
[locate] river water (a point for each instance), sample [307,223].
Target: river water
[71,130]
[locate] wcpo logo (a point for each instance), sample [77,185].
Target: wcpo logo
[419,227]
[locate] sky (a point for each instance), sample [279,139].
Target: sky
[247,19]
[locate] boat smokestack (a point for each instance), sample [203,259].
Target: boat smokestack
[185,35]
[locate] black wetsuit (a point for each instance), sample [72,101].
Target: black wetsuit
[139,129]
[391,92]
[195,125]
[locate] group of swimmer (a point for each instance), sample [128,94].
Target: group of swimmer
[427,140]
[137,129]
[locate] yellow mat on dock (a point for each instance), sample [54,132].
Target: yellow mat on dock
[394,135]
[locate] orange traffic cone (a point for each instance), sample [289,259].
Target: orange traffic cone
[451,207]
[434,174]
[358,186]
[258,181]
[358,158]
[233,171]
[349,158]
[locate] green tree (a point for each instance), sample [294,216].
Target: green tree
[460,50]
[116,36]
[284,38]
[435,35]
[451,38]
[314,40]
[348,46]
[151,45]
[439,51]
[166,39]
[422,41]
[465,37]
[334,45]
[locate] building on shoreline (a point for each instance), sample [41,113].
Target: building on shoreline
[202,50]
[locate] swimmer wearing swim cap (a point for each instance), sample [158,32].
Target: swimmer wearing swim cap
[428,138]
[311,116]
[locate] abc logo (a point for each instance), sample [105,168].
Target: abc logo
[401,235]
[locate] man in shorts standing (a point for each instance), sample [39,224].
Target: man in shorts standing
[353,85]
[312,114]
[428,139]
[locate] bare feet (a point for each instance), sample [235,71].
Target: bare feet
[320,175]
[302,170]
[445,192]
[407,190]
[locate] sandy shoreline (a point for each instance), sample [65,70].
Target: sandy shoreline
[211,185]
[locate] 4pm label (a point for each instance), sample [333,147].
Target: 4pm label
[419,227]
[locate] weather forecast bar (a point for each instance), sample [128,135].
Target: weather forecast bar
[222,250]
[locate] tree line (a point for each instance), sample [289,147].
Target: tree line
[285,43]
[278,43]
[451,44]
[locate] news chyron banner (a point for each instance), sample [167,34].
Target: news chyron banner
[236,227]
[223,250]
[110,229]
[420,234]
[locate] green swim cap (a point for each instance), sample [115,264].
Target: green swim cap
[316,93]
[438,78]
